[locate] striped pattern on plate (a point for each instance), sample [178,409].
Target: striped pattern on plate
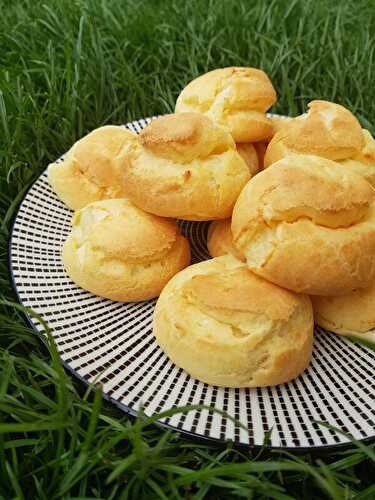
[112,342]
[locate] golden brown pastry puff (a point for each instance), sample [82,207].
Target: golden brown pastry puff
[307,224]
[89,171]
[330,131]
[117,251]
[236,97]
[327,130]
[186,167]
[226,326]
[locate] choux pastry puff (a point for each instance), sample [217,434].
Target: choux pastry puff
[330,131]
[236,97]
[89,171]
[117,251]
[186,167]
[308,225]
[226,326]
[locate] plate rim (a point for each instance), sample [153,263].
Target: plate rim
[134,413]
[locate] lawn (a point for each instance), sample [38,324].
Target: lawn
[68,66]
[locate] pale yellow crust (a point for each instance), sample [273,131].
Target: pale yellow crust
[330,131]
[327,130]
[226,326]
[89,171]
[184,138]
[119,252]
[236,97]
[349,314]
[308,225]
[185,167]
[220,241]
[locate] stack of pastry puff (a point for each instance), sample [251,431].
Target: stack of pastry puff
[292,238]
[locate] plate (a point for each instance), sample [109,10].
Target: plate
[112,342]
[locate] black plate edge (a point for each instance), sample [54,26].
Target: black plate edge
[133,413]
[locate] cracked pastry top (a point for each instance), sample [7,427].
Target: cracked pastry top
[236,97]
[226,326]
[89,170]
[185,166]
[117,251]
[307,224]
[330,131]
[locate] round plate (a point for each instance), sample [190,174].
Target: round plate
[112,342]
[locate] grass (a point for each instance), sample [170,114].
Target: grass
[67,66]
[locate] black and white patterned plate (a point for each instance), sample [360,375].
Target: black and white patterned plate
[112,342]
